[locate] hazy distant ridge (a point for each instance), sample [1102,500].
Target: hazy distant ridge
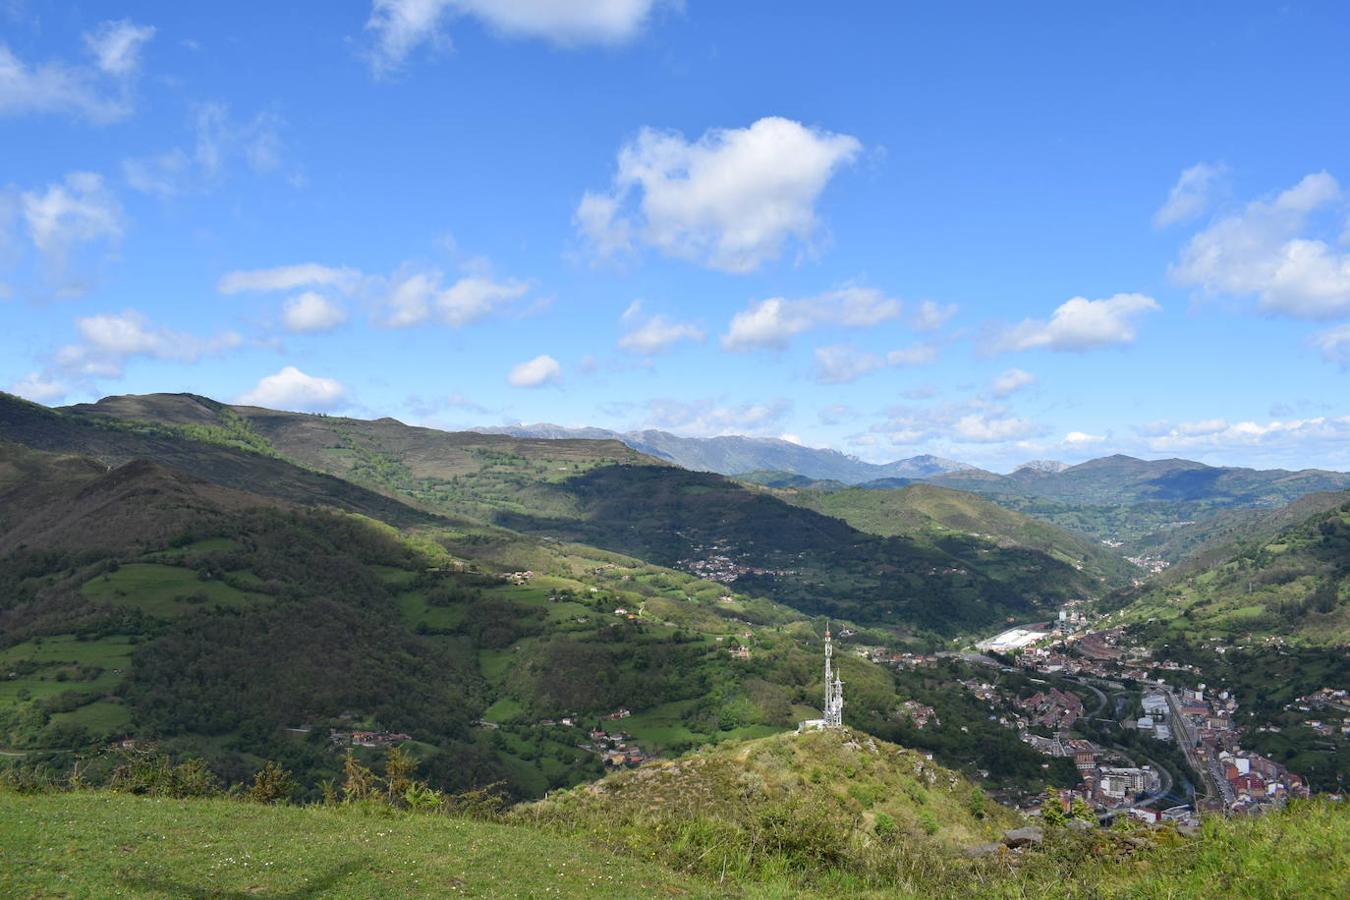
[735,454]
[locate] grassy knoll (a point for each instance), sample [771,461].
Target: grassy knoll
[100,845]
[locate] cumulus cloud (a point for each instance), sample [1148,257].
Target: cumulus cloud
[1191,195]
[534,373]
[711,417]
[411,296]
[109,340]
[400,27]
[1334,345]
[312,312]
[650,335]
[771,324]
[67,218]
[1081,324]
[915,355]
[931,316]
[288,278]
[1082,439]
[984,428]
[292,389]
[840,364]
[100,91]
[971,422]
[414,296]
[1219,434]
[1269,250]
[78,210]
[474,297]
[1010,381]
[38,387]
[730,200]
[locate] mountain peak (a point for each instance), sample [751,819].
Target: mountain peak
[1042,466]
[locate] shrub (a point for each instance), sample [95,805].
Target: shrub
[271,784]
[154,774]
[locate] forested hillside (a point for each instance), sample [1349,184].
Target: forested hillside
[1293,584]
[604,494]
[952,518]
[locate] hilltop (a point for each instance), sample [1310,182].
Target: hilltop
[845,781]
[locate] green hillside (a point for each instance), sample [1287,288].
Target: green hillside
[1141,502]
[950,517]
[597,493]
[142,601]
[1294,584]
[821,779]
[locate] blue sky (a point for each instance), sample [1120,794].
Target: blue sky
[990,231]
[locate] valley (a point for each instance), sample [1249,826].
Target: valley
[192,580]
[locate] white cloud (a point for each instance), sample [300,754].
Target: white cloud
[710,417]
[292,389]
[409,297]
[1266,250]
[1334,345]
[164,174]
[312,312]
[116,46]
[1012,380]
[475,297]
[65,219]
[288,278]
[412,296]
[1081,324]
[931,316]
[100,92]
[984,428]
[650,335]
[915,355]
[1191,195]
[219,141]
[534,373]
[109,340]
[1218,434]
[970,422]
[1082,439]
[39,388]
[729,200]
[401,26]
[770,324]
[841,364]
[407,300]
[79,210]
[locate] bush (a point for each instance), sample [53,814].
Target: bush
[272,784]
[154,775]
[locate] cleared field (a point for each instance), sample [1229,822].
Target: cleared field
[163,591]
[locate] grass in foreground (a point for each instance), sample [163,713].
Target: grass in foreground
[98,844]
[86,844]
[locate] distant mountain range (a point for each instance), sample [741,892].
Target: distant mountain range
[738,455]
[1108,480]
